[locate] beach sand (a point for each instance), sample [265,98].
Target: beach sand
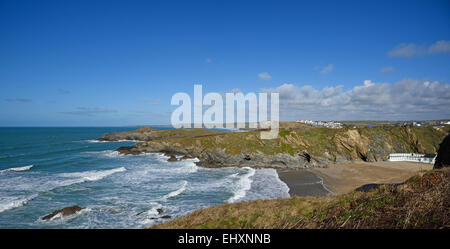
[302,182]
[345,177]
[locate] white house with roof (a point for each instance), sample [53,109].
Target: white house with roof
[412,157]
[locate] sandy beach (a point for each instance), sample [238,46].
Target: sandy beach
[345,177]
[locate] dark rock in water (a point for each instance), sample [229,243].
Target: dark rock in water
[159,210]
[65,211]
[368,187]
[247,157]
[128,150]
[186,157]
[443,154]
[166,217]
[172,159]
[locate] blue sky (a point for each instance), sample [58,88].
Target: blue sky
[95,63]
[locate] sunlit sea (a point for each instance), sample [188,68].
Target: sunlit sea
[45,169]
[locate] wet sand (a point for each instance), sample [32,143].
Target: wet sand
[302,182]
[345,177]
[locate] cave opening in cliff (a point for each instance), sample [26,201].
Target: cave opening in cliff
[362,156]
[306,156]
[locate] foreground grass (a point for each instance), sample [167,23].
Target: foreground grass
[423,201]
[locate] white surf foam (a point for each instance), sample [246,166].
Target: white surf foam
[242,186]
[10,202]
[189,166]
[176,192]
[267,185]
[23,168]
[106,153]
[92,175]
[103,141]
[178,167]
[93,141]
[323,185]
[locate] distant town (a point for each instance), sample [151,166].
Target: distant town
[327,124]
[437,124]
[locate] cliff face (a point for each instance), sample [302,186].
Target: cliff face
[443,156]
[299,147]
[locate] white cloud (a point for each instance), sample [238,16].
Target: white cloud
[327,69]
[409,50]
[387,69]
[264,76]
[405,100]
[403,50]
[439,47]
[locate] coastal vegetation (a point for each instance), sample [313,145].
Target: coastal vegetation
[296,146]
[423,201]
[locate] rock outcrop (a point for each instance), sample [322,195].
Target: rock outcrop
[64,212]
[141,134]
[302,147]
[443,155]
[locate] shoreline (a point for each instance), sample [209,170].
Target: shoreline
[302,182]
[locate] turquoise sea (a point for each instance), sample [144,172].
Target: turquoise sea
[44,169]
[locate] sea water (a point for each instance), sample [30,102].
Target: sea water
[45,169]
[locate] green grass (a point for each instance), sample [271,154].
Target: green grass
[376,142]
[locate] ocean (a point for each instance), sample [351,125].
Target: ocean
[45,169]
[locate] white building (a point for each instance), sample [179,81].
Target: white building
[412,157]
[328,124]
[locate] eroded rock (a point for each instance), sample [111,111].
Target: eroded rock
[65,212]
[443,155]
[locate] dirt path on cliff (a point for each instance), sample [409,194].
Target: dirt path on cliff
[345,177]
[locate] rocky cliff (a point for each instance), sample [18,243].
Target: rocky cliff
[294,147]
[443,156]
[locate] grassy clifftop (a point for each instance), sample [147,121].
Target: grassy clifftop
[423,201]
[297,145]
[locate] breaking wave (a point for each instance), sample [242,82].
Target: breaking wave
[93,175]
[242,186]
[7,203]
[103,141]
[176,192]
[23,168]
